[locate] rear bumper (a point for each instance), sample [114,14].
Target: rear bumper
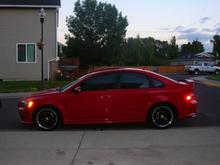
[190,110]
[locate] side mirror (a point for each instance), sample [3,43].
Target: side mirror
[77,89]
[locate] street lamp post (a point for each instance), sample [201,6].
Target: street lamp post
[41,45]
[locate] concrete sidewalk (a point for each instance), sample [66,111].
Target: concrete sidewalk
[179,146]
[204,80]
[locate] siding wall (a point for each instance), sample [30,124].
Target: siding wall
[23,26]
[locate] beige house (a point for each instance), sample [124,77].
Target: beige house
[20,30]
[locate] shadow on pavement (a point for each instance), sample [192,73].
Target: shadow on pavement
[186,123]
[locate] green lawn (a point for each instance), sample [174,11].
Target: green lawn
[214,77]
[27,86]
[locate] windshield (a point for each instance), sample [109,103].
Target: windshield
[68,85]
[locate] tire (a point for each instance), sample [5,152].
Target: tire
[47,118]
[162,116]
[196,72]
[217,72]
[189,72]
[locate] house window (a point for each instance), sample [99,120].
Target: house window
[26,53]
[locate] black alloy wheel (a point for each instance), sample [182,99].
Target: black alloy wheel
[162,116]
[47,119]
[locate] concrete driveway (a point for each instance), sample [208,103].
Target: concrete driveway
[182,146]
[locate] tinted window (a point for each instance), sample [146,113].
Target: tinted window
[157,83]
[133,81]
[101,82]
[207,64]
[21,53]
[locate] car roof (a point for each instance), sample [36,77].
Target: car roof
[137,70]
[115,69]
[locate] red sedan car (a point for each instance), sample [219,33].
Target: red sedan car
[112,96]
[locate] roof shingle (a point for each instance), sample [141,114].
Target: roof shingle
[29,3]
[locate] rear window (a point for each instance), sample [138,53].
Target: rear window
[155,83]
[133,81]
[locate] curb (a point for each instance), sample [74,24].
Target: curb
[205,81]
[212,84]
[14,95]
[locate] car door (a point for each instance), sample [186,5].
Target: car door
[205,67]
[87,102]
[202,67]
[210,68]
[130,102]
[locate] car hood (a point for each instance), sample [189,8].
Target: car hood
[45,93]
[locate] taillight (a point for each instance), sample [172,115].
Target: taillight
[189,97]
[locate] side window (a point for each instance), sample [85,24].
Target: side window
[198,64]
[133,81]
[100,82]
[26,53]
[156,83]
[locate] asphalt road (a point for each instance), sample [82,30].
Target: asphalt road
[192,141]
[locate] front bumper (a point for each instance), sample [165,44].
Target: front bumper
[25,116]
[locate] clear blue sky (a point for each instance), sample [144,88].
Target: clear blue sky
[187,20]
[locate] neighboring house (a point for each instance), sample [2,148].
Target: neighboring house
[20,30]
[60,49]
[191,59]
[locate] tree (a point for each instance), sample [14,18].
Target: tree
[197,47]
[216,47]
[97,33]
[192,48]
[144,51]
[173,51]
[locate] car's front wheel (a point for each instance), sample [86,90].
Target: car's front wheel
[47,118]
[162,116]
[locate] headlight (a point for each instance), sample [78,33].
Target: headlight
[30,104]
[25,104]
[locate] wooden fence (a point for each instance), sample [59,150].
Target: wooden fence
[158,69]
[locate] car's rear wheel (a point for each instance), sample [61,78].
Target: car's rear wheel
[162,116]
[217,72]
[47,118]
[196,72]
